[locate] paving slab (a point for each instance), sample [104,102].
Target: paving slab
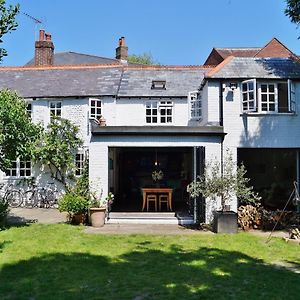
[154,229]
[36,215]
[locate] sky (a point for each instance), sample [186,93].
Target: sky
[175,32]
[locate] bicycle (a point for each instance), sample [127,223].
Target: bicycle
[50,195]
[34,197]
[12,196]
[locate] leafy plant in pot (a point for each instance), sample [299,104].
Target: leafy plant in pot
[75,205]
[98,209]
[223,183]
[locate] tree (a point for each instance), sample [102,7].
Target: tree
[57,149]
[223,182]
[17,133]
[143,59]
[7,22]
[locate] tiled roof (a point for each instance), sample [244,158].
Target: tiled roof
[118,80]
[239,52]
[138,82]
[58,82]
[250,67]
[74,58]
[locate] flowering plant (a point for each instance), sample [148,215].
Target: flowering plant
[157,175]
[102,202]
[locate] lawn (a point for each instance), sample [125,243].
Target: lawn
[61,262]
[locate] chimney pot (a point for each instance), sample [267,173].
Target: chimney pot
[122,50]
[42,35]
[48,36]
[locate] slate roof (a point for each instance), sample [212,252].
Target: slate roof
[102,80]
[179,81]
[61,82]
[249,67]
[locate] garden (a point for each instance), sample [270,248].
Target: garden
[62,262]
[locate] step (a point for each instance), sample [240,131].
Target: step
[148,218]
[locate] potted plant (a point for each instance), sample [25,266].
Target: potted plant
[75,205]
[157,176]
[99,207]
[222,183]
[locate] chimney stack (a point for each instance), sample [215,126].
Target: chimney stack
[122,50]
[44,50]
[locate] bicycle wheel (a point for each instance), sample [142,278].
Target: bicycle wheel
[14,198]
[50,199]
[29,199]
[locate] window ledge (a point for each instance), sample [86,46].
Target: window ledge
[253,114]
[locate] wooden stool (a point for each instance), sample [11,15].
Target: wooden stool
[163,199]
[151,198]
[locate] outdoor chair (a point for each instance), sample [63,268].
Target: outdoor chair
[163,199]
[151,198]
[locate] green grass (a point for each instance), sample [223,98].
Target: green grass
[61,262]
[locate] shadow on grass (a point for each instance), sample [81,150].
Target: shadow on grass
[206,273]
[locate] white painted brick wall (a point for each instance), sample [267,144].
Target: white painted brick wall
[99,155]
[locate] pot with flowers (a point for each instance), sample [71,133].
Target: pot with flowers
[99,208]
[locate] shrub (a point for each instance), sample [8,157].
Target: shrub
[3,212]
[73,204]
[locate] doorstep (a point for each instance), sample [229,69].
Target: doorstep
[149,218]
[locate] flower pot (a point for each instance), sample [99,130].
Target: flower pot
[225,222]
[97,216]
[78,219]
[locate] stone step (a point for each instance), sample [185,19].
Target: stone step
[148,218]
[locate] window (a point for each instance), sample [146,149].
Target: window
[249,95]
[79,163]
[195,104]
[55,109]
[158,85]
[95,108]
[19,169]
[272,97]
[29,109]
[159,112]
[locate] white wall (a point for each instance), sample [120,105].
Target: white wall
[99,155]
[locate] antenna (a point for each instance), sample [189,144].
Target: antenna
[37,23]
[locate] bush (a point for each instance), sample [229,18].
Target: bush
[3,212]
[73,204]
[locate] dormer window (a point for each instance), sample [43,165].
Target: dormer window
[158,85]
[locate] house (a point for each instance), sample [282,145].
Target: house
[169,118]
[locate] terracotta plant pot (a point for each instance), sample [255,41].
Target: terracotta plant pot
[97,216]
[78,219]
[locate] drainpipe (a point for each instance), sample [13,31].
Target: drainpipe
[221,120]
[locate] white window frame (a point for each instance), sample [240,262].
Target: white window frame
[249,99]
[55,111]
[95,115]
[291,96]
[18,168]
[195,105]
[29,111]
[79,163]
[268,102]
[159,106]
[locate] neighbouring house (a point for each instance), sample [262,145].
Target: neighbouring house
[168,118]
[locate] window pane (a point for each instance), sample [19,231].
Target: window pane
[264,97]
[245,96]
[250,86]
[271,97]
[272,107]
[271,88]
[264,88]
[154,120]
[58,105]
[251,95]
[154,112]
[148,120]
[244,87]
[93,103]
[52,105]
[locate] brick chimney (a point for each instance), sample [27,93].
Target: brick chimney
[44,50]
[122,50]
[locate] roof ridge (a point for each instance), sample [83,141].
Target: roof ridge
[220,66]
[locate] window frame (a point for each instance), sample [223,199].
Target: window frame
[79,163]
[268,102]
[55,109]
[161,105]
[95,115]
[248,91]
[195,99]
[29,111]
[18,169]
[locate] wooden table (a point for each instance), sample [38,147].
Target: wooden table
[168,191]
